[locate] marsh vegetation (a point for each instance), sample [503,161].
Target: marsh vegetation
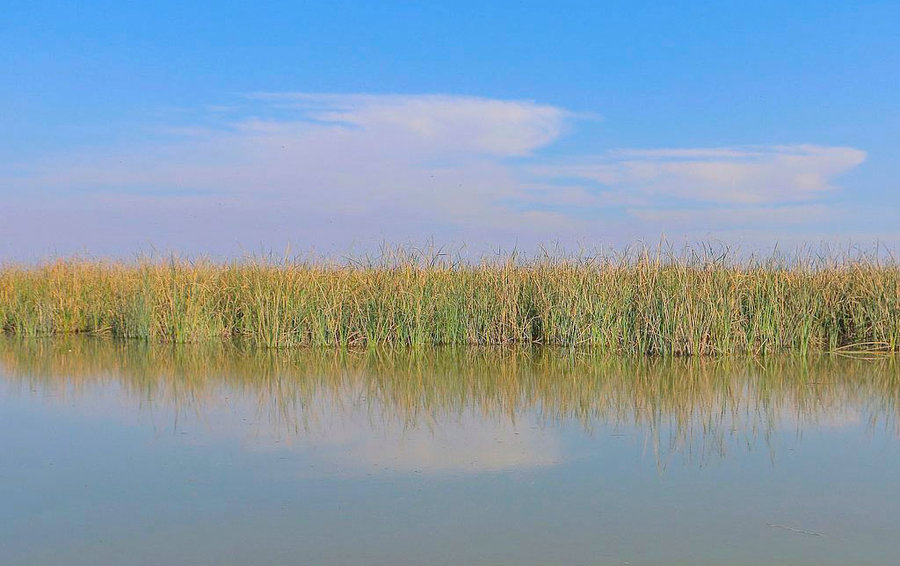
[646,302]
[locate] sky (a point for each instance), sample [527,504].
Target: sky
[228,128]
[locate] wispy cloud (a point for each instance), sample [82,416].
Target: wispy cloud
[720,217]
[748,175]
[446,124]
[320,170]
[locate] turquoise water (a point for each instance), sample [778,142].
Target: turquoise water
[131,454]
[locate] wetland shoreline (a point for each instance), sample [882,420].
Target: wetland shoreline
[642,304]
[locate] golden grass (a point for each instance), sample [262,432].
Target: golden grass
[638,303]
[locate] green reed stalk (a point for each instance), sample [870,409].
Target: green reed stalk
[638,303]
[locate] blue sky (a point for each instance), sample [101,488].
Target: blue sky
[223,128]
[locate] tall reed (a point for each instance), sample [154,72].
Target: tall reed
[645,302]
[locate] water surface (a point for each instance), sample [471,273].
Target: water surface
[125,453]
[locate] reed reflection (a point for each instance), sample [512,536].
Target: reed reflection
[696,407]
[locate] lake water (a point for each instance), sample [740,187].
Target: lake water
[126,454]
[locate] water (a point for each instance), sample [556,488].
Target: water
[129,454]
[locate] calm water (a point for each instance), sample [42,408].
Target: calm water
[127,454]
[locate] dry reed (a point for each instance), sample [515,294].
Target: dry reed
[646,302]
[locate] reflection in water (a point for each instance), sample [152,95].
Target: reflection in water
[130,454]
[474,397]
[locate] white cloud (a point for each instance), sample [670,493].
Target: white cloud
[320,170]
[751,175]
[350,153]
[438,122]
[731,216]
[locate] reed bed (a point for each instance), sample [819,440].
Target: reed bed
[649,302]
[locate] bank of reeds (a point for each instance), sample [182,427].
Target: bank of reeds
[640,303]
